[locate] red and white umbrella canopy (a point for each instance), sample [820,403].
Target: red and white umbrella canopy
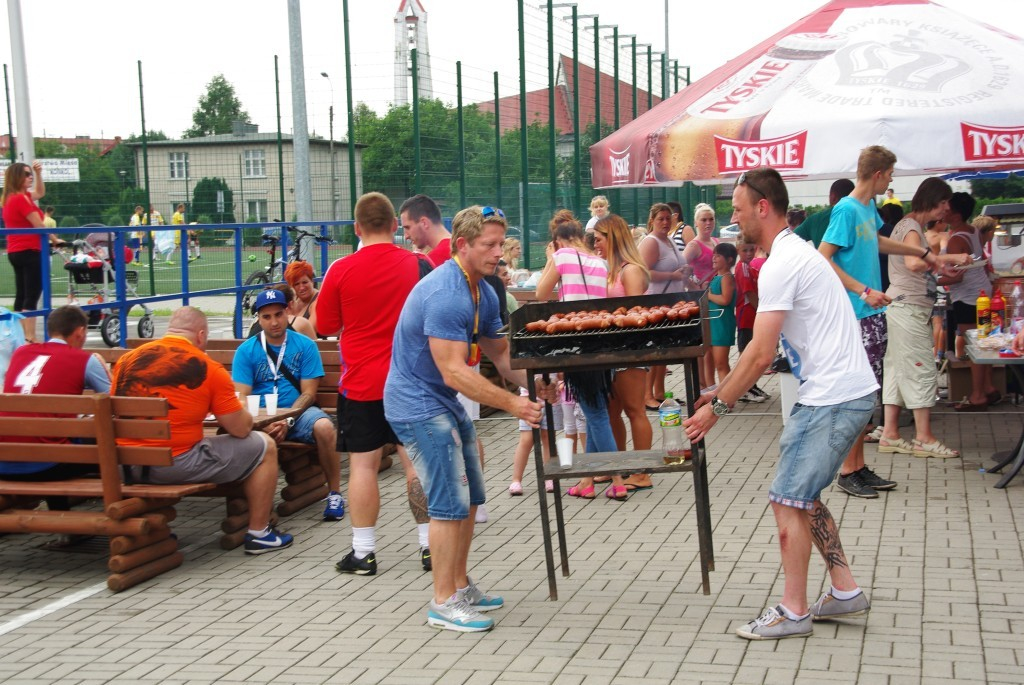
[939,89]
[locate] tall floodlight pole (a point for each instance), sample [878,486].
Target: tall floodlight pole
[300,133]
[664,63]
[12,149]
[334,201]
[351,118]
[21,101]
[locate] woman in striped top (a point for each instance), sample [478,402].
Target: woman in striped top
[583,276]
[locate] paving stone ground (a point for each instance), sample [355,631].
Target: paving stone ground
[940,556]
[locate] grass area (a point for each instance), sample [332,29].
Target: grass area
[216,269]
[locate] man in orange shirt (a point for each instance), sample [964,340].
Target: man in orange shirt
[177,368]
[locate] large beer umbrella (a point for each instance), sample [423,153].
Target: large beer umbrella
[939,89]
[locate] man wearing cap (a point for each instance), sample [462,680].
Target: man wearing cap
[289,366]
[177,368]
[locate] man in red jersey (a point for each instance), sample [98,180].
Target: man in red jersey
[360,300]
[56,367]
[421,221]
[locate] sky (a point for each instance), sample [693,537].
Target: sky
[83,57]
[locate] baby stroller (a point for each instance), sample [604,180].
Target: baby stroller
[91,275]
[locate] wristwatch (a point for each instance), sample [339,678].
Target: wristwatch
[290,422]
[719,407]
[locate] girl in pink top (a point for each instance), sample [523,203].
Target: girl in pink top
[699,251]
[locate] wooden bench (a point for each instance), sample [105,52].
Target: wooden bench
[136,517]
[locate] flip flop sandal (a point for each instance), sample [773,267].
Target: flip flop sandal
[634,488]
[934,449]
[874,436]
[967,406]
[895,446]
[582,493]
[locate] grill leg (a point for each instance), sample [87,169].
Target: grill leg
[538,458]
[700,484]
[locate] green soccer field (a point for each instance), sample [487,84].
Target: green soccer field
[215,269]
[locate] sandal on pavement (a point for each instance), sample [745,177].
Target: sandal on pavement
[515,488]
[874,436]
[633,486]
[617,492]
[967,406]
[582,493]
[895,446]
[934,449]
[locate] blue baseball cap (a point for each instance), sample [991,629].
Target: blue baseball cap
[269,297]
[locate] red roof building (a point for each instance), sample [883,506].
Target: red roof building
[101,145]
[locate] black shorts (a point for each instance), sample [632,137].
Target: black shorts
[965,314]
[743,337]
[362,426]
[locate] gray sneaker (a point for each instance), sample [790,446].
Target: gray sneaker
[456,614]
[854,484]
[774,625]
[478,600]
[829,607]
[874,481]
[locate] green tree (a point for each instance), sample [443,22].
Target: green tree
[204,200]
[217,109]
[992,188]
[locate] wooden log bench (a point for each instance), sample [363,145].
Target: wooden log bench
[136,518]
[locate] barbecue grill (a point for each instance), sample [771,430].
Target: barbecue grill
[669,342]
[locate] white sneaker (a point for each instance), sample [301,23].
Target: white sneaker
[481,514]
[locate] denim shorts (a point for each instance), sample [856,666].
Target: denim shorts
[444,453]
[302,431]
[814,443]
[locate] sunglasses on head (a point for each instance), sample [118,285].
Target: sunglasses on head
[488,212]
[742,180]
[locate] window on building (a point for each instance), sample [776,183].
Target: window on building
[179,164]
[255,210]
[255,163]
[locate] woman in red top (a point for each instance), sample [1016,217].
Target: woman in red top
[24,251]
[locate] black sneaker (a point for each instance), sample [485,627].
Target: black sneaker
[760,393]
[853,484]
[425,559]
[366,566]
[874,481]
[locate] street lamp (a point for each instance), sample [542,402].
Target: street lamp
[123,174]
[334,203]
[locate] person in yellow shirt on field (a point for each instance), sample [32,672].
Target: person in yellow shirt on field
[48,220]
[891,199]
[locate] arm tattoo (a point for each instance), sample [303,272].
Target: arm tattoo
[418,502]
[826,537]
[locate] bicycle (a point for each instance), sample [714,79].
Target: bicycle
[273,272]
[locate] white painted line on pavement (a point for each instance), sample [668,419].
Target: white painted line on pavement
[75,597]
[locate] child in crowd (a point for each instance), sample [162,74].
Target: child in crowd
[746,275]
[721,298]
[525,447]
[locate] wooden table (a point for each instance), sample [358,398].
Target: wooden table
[1013,458]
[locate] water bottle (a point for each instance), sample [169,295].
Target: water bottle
[670,416]
[1017,308]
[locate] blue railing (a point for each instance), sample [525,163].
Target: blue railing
[123,304]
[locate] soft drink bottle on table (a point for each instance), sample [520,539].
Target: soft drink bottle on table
[670,417]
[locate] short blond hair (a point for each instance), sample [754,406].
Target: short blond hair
[469,224]
[873,159]
[598,202]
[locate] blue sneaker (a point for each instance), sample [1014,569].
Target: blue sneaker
[456,614]
[478,600]
[335,509]
[271,542]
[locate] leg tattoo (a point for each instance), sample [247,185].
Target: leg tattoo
[418,502]
[826,537]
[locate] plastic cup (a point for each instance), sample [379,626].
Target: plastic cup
[564,452]
[253,403]
[270,402]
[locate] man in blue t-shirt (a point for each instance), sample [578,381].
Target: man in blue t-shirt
[851,243]
[288,365]
[448,319]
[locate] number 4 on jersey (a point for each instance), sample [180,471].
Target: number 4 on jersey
[30,376]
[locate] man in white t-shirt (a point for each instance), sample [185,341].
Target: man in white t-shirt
[801,300]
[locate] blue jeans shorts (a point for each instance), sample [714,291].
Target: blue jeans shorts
[443,452]
[813,445]
[302,431]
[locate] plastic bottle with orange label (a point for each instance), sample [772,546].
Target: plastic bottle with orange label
[984,315]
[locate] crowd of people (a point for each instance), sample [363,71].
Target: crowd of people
[413,325]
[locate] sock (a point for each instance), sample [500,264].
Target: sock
[423,534]
[790,615]
[364,541]
[845,594]
[260,533]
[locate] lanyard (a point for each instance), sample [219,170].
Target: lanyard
[275,366]
[474,347]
